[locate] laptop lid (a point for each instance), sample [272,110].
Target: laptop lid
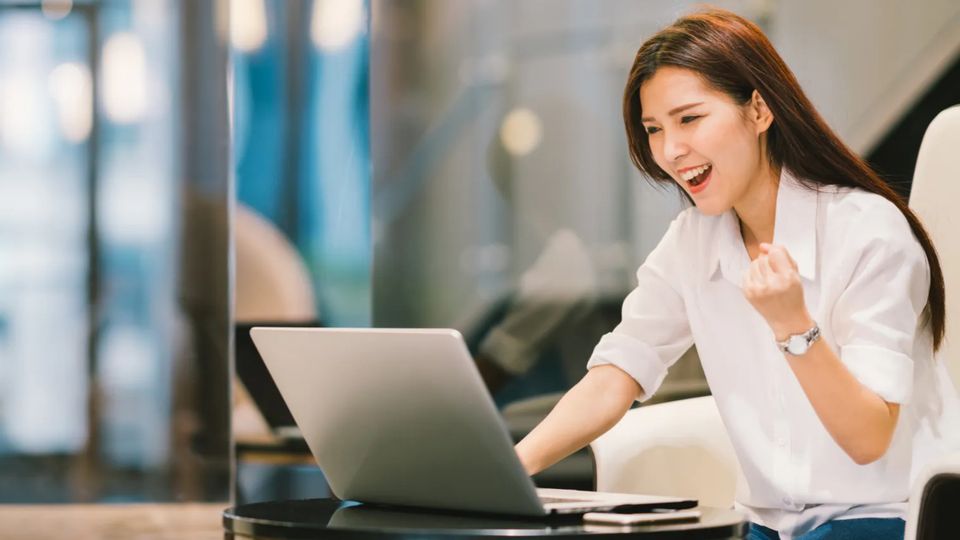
[253,373]
[398,417]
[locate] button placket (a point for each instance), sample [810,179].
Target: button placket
[781,438]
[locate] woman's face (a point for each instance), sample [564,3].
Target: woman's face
[706,142]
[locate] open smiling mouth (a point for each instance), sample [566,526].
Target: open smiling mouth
[697,178]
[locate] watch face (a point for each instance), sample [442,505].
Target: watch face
[797,345]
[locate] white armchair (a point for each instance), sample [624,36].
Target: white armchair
[934,196]
[936,189]
[677,448]
[272,280]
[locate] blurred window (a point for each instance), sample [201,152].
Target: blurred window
[301,138]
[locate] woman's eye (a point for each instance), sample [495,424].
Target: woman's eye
[651,130]
[688,119]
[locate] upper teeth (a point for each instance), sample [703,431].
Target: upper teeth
[693,173]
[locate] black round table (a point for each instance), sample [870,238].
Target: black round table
[327,518]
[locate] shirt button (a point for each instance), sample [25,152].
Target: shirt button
[787,501]
[781,441]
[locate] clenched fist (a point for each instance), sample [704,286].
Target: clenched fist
[772,286]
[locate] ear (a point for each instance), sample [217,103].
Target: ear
[760,113]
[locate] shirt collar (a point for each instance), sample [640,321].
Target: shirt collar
[794,228]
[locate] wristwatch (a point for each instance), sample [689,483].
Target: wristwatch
[798,344]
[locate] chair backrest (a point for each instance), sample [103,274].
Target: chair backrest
[934,196]
[936,186]
[934,502]
[272,281]
[272,286]
[678,448]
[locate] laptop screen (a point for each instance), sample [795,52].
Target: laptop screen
[257,380]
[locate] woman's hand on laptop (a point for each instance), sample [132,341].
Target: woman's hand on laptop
[586,411]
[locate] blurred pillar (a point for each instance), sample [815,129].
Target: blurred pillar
[202,392]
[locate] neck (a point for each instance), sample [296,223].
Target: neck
[757,209]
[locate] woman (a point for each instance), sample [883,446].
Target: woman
[812,292]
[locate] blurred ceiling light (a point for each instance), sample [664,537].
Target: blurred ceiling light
[56,9]
[248,24]
[124,97]
[72,91]
[335,23]
[520,132]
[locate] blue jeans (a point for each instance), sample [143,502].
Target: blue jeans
[841,529]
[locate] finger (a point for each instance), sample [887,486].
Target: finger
[786,255]
[749,279]
[779,259]
[756,274]
[766,267]
[746,283]
[768,250]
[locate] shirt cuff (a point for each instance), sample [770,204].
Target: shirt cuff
[636,358]
[887,373]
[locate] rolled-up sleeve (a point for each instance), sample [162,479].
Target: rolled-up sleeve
[654,331]
[876,318]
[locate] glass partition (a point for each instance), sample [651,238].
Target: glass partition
[504,202]
[505,205]
[302,218]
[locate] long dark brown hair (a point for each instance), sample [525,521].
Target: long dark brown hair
[734,56]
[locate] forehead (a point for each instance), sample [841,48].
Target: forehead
[672,87]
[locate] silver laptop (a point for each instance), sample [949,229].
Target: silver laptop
[402,417]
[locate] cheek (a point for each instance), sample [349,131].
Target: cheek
[728,147]
[712,139]
[656,150]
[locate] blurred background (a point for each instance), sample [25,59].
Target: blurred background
[114,288]
[173,172]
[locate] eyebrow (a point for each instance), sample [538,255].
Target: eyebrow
[674,111]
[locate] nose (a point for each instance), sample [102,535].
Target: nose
[674,146]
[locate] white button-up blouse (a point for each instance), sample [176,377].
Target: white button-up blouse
[866,280]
